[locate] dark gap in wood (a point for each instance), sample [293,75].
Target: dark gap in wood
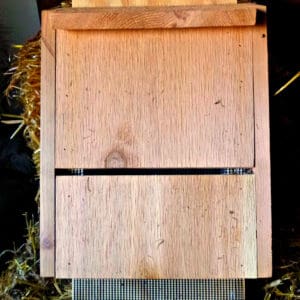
[165,171]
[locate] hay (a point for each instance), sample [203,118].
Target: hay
[25,88]
[287,84]
[21,279]
[287,287]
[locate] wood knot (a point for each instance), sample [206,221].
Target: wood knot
[46,243]
[148,269]
[181,15]
[115,159]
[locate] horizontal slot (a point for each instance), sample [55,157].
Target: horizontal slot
[91,172]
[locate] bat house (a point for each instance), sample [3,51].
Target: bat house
[165,112]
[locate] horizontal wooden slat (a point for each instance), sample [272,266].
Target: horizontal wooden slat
[156,227]
[154,17]
[101,3]
[155,99]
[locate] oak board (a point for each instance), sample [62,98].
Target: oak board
[118,3]
[107,18]
[262,168]
[155,99]
[156,227]
[47,172]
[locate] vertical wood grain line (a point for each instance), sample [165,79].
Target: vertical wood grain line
[54,146]
[262,151]
[253,95]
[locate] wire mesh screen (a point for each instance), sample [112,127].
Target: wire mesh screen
[175,289]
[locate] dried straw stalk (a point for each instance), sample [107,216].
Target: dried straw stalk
[21,279]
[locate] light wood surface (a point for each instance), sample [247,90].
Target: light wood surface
[154,17]
[47,180]
[155,99]
[156,227]
[153,67]
[99,3]
[262,151]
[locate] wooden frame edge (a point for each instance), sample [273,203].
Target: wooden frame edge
[47,178]
[262,151]
[116,3]
[155,17]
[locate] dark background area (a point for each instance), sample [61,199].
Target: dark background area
[19,21]
[284,63]
[18,185]
[285,125]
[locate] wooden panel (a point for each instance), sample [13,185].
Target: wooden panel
[47,148]
[156,227]
[155,17]
[155,98]
[262,151]
[99,3]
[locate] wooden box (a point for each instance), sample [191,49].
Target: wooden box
[171,98]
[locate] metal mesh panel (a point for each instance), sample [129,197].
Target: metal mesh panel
[179,289]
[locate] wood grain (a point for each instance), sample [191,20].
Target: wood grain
[156,227]
[47,180]
[99,3]
[154,17]
[262,151]
[155,99]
